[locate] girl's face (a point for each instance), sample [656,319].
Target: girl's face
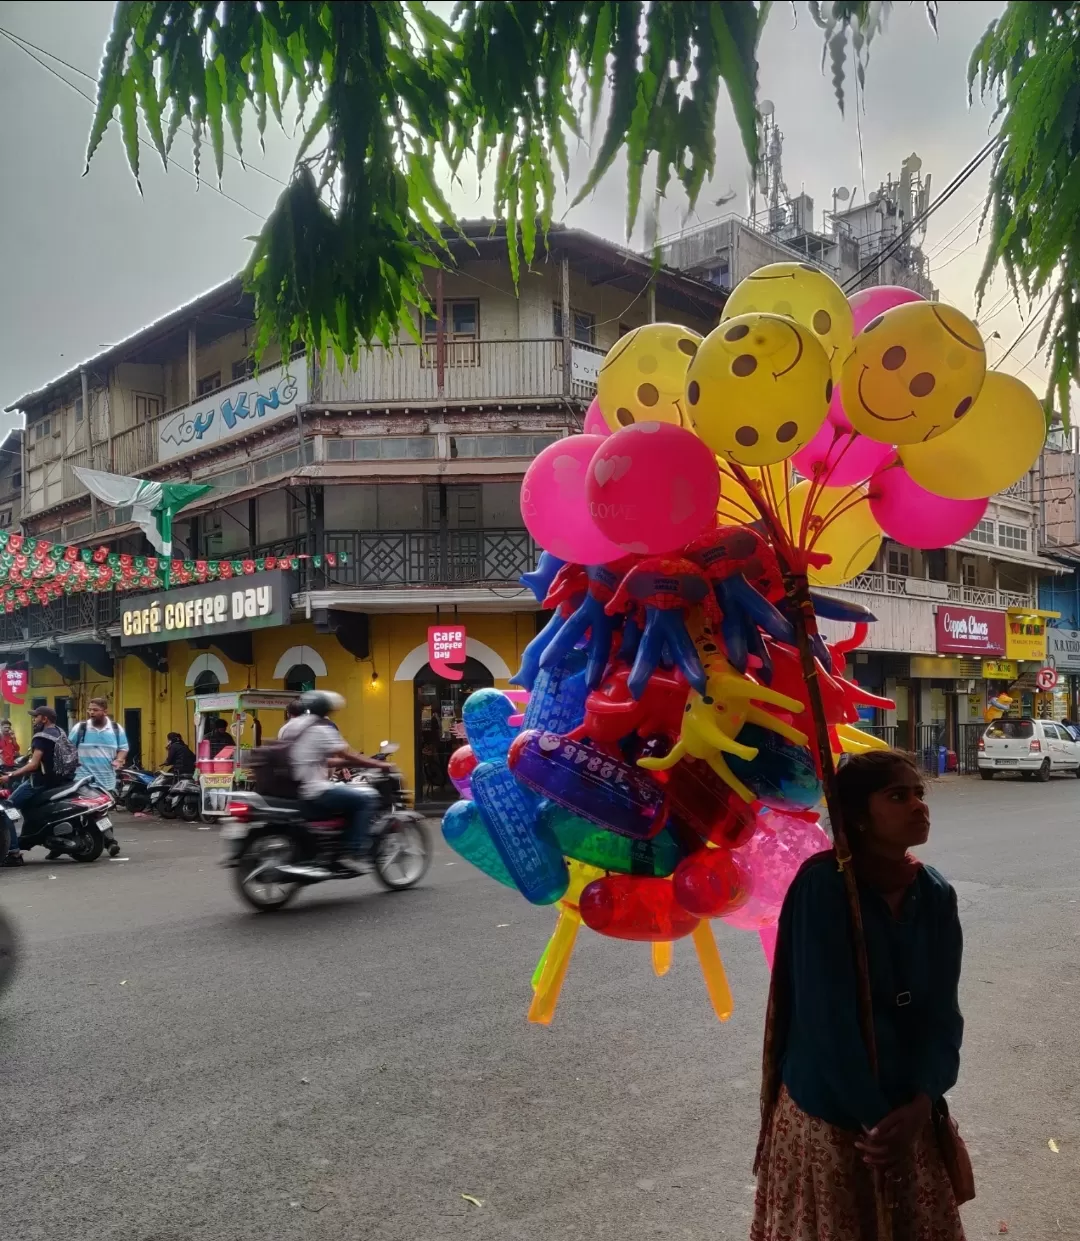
[899,815]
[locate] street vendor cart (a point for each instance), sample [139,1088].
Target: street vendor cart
[249,716]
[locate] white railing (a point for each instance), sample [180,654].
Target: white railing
[877,583]
[471,370]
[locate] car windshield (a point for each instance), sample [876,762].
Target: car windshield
[1011,730]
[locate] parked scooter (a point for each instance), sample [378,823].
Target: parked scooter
[157,790]
[71,819]
[183,798]
[133,789]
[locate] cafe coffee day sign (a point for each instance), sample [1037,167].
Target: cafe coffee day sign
[969,631]
[231,411]
[259,601]
[446,645]
[1063,649]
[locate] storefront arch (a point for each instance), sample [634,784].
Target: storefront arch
[205,664]
[297,655]
[480,651]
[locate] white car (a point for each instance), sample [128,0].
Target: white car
[1031,747]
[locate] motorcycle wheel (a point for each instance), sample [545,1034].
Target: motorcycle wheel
[9,953]
[89,843]
[168,808]
[402,854]
[261,853]
[136,801]
[189,809]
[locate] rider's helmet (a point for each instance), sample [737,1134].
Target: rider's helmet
[322,701]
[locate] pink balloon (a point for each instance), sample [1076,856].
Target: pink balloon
[594,421]
[554,507]
[653,487]
[774,854]
[912,515]
[767,936]
[867,304]
[836,413]
[840,458]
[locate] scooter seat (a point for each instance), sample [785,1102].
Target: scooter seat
[68,790]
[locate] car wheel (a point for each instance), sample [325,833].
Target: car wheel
[1044,771]
[989,775]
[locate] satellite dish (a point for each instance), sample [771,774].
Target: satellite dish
[766,107]
[913,163]
[842,194]
[873,196]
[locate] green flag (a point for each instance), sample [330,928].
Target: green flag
[153,505]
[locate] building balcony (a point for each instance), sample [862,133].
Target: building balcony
[470,371]
[876,583]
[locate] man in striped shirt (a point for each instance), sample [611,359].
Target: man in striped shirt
[103,748]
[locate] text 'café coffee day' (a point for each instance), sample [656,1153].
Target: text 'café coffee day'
[254,602]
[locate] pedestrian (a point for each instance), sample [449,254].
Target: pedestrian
[829,1124]
[9,745]
[294,712]
[1071,729]
[39,770]
[102,745]
[178,756]
[103,748]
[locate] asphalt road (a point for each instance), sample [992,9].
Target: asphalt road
[174,1068]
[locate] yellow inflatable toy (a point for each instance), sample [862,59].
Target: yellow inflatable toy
[712,722]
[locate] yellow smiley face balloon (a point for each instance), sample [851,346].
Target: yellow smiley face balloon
[643,377]
[914,373]
[758,389]
[802,293]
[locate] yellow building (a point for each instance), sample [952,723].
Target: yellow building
[405,471]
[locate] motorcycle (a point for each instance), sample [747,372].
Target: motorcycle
[274,849]
[183,798]
[72,819]
[133,789]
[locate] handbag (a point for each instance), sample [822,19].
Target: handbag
[954,1153]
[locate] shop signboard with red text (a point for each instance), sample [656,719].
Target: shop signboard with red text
[969,631]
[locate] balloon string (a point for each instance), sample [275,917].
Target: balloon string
[840,455]
[838,510]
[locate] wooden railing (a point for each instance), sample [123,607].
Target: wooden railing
[478,370]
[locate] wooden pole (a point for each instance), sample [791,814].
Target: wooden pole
[804,621]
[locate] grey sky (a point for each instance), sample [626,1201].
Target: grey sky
[86,261]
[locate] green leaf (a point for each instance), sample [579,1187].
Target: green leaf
[129,125]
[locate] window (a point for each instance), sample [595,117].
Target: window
[244,369]
[461,334]
[5,518]
[983,532]
[300,678]
[147,408]
[206,683]
[499,445]
[42,428]
[898,561]
[969,573]
[382,448]
[1015,537]
[583,325]
[208,384]
[16,480]
[1011,730]
[78,410]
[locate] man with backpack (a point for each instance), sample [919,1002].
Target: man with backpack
[102,747]
[51,764]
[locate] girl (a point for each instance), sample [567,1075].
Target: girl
[828,1122]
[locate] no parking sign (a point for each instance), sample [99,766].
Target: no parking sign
[1046,678]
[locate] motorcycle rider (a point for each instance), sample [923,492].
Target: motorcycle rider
[315,747]
[38,767]
[294,712]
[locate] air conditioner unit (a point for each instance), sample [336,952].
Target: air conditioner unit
[966,686]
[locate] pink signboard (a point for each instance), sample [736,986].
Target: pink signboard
[14,682]
[969,631]
[445,646]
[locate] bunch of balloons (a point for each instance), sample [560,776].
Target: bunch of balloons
[663,772]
